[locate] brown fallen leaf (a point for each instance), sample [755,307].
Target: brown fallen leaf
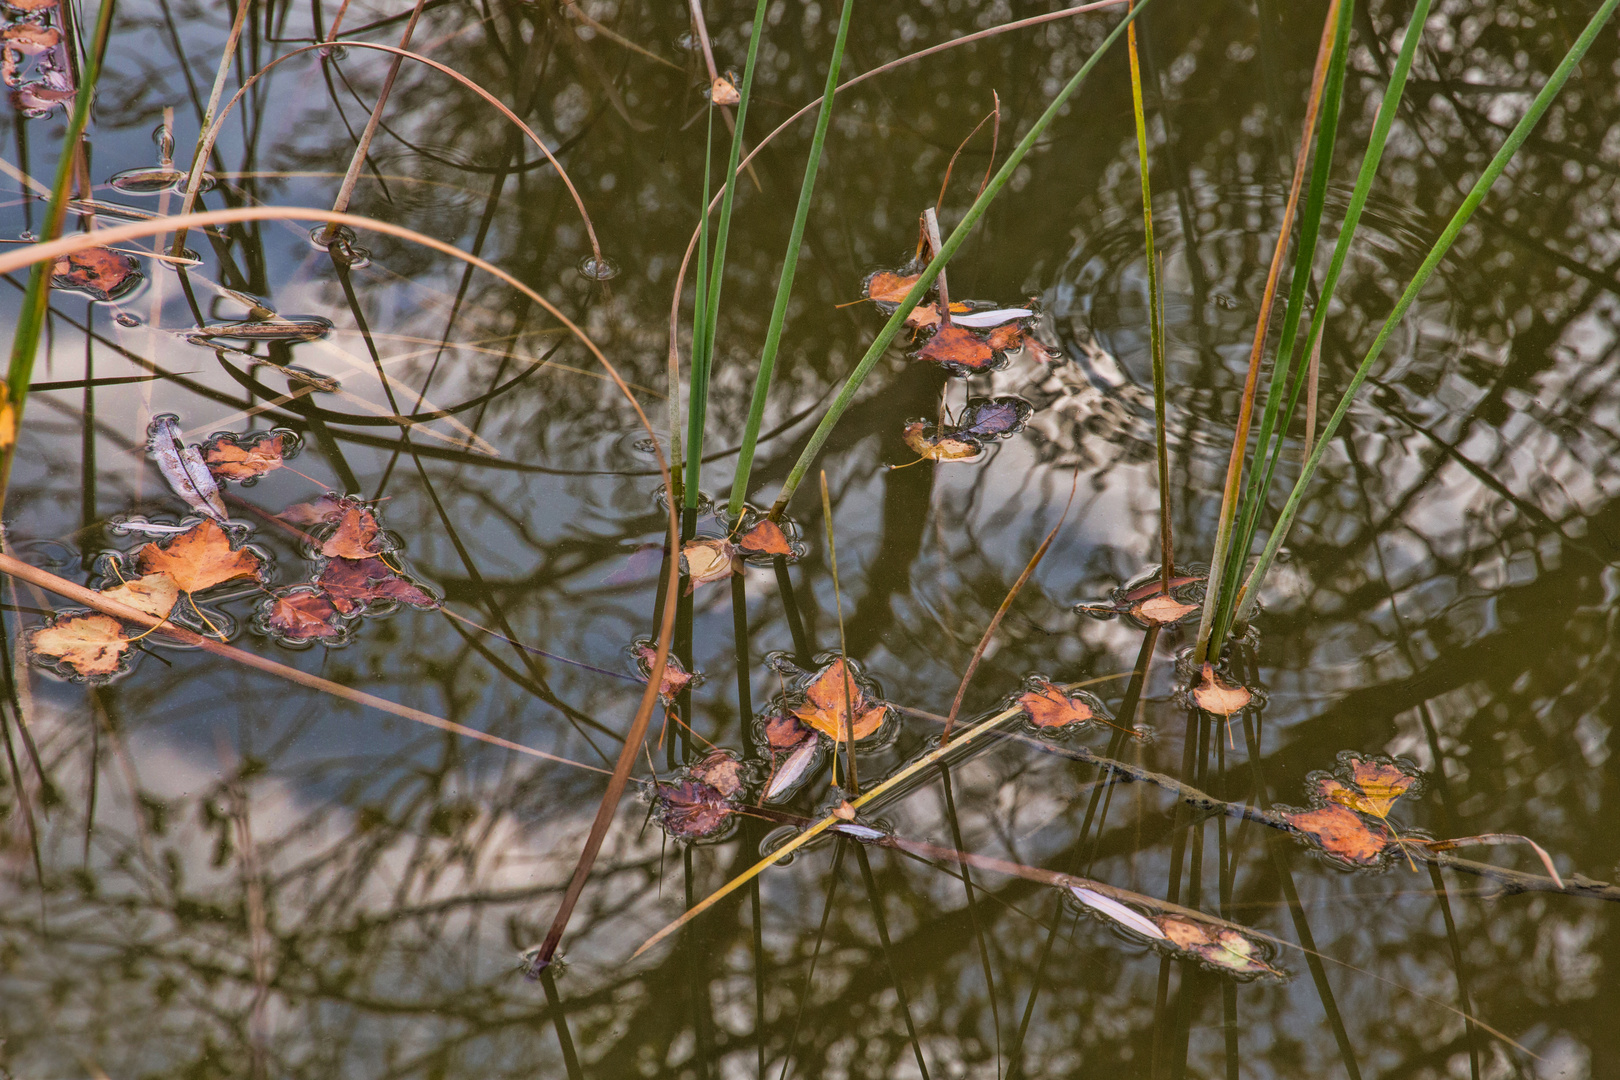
[1049,707]
[926,316]
[1342,834]
[200,558]
[888,289]
[834,703]
[722,92]
[958,349]
[358,534]
[327,508]
[302,614]
[1006,338]
[90,646]
[230,457]
[940,447]
[154,594]
[721,770]
[690,810]
[675,677]
[708,560]
[766,538]
[1215,695]
[353,584]
[1377,785]
[1163,610]
[98,272]
[785,732]
[1219,946]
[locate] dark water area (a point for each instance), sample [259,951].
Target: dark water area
[207,870]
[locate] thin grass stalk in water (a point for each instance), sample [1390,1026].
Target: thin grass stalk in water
[1155,317]
[958,236]
[1521,131]
[697,406]
[693,465]
[790,265]
[36,299]
[853,785]
[1251,382]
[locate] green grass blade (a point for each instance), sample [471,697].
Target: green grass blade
[958,236]
[1476,195]
[709,314]
[790,266]
[36,300]
[701,354]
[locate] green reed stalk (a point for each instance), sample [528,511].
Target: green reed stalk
[36,299]
[958,236]
[790,266]
[708,313]
[1155,318]
[1476,195]
[701,354]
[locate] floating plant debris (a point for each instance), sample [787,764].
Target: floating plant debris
[834,702]
[941,446]
[722,770]
[957,349]
[293,328]
[356,534]
[84,646]
[248,457]
[1342,801]
[793,749]
[184,468]
[887,288]
[155,593]
[98,272]
[1215,945]
[1342,835]
[301,615]
[148,180]
[200,558]
[1145,602]
[675,678]
[982,420]
[708,560]
[766,538]
[723,92]
[1372,786]
[926,316]
[1122,914]
[324,509]
[355,584]
[690,810]
[1050,708]
[1215,695]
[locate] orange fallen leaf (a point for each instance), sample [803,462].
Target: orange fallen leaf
[944,447]
[89,645]
[1163,609]
[324,509]
[357,536]
[956,347]
[199,558]
[766,538]
[1049,707]
[708,560]
[1215,695]
[154,594]
[99,272]
[721,770]
[833,699]
[889,288]
[721,92]
[302,614]
[1219,946]
[1342,834]
[1378,785]
[1006,337]
[675,677]
[926,316]
[247,459]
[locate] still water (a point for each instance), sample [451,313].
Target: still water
[209,871]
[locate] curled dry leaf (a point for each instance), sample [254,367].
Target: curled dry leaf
[1047,706]
[945,446]
[353,584]
[1342,835]
[230,457]
[835,703]
[999,417]
[1163,610]
[926,316]
[690,810]
[721,770]
[154,594]
[708,560]
[98,272]
[183,467]
[675,677]
[793,748]
[358,534]
[958,349]
[722,92]
[1219,947]
[888,289]
[302,614]
[90,646]
[324,509]
[766,538]
[200,558]
[1215,695]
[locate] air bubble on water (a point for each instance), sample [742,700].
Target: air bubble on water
[124,318]
[1224,301]
[593,269]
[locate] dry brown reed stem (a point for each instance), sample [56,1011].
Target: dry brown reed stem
[966,39]
[1001,613]
[206,144]
[701,27]
[77,593]
[1251,382]
[572,8]
[16,259]
[363,148]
